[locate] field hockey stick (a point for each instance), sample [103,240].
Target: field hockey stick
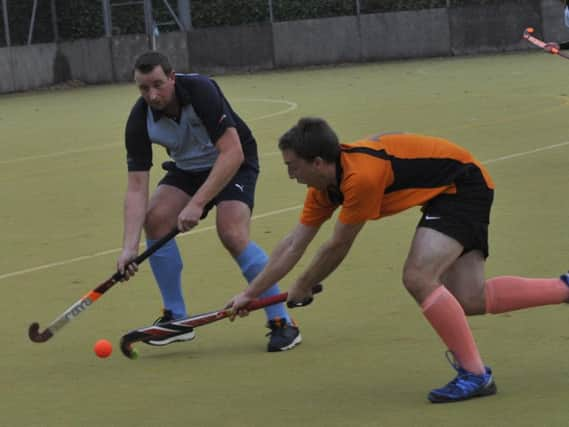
[81,305]
[169,329]
[541,44]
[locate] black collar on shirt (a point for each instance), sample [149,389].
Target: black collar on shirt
[182,96]
[334,193]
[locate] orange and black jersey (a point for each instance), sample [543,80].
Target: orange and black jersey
[389,173]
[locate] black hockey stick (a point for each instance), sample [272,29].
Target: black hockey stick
[169,329]
[93,295]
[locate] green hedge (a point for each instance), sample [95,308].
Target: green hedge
[84,18]
[80,19]
[20,14]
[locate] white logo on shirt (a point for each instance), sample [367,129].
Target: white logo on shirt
[429,218]
[240,187]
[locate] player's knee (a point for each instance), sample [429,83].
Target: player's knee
[157,223]
[234,239]
[414,282]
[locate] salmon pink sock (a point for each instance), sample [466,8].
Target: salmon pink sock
[447,318]
[508,293]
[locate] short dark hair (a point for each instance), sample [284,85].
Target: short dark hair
[311,137]
[146,62]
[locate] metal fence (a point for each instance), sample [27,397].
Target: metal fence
[46,21]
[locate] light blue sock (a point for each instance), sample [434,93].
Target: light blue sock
[167,265]
[252,261]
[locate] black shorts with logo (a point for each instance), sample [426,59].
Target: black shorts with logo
[241,187]
[464,216]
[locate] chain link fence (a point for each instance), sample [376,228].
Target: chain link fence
[46,21]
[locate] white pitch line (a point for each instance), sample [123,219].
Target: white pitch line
[525,153]
[59,154]
[291,106]
[110,251]
[267,214]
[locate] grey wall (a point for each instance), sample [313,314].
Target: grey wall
[124,50]
[175,46]
[88,60]
[32,66]
[435,32]
[316,41]
[405,34]
[248,47]
[553,23]
[493,28]
[6,77]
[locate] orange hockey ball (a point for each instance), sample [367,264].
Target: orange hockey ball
[103,348]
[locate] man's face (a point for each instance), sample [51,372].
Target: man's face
[304,171]
[156,87]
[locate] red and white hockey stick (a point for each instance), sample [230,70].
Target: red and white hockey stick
[169,329]
[541,44]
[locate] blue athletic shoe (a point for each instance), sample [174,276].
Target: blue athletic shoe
[465,386]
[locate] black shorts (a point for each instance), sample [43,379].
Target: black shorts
[241,187]
[464,216]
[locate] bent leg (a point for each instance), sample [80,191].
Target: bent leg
[432,253]
[509,293]
[465,280]
[233,220]
[166,263]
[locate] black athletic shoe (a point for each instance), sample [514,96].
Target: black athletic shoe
[283,336]
[167,316]
[183,335]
